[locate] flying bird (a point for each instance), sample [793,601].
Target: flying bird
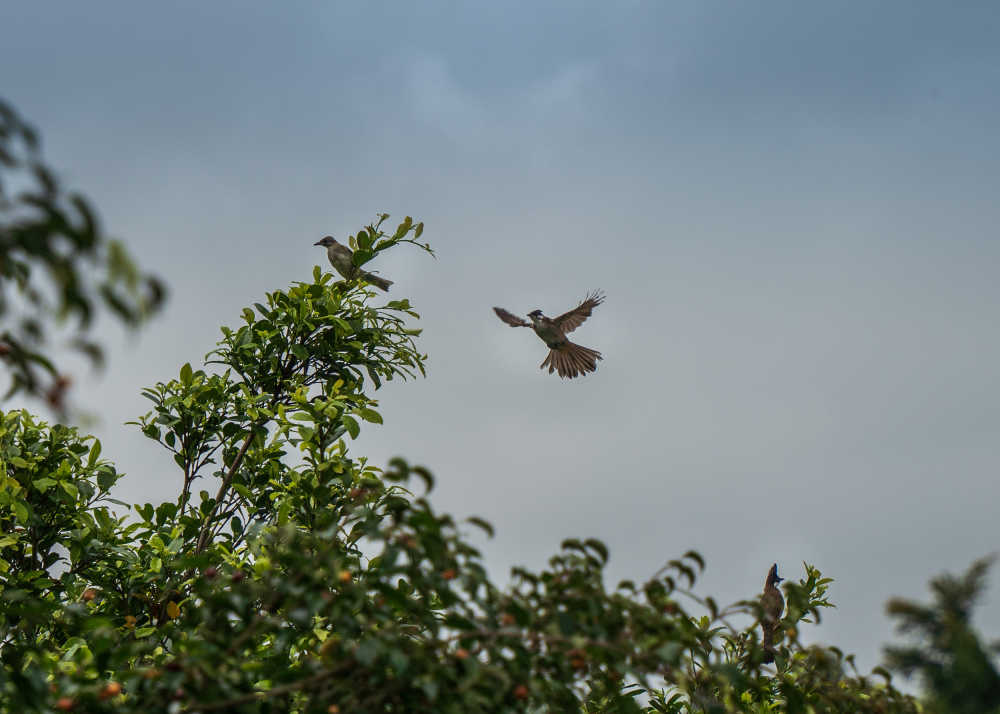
[567,358]
[772,604]
[341,257]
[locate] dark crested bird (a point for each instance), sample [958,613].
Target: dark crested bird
[772,604]
[342,259]
[567,358]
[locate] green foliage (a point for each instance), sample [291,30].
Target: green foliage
[58,536]
[958,671]
[56,265]
[289,575]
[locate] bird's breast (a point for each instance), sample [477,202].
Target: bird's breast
[550,335]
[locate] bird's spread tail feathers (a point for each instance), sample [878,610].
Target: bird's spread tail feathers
[571,360]
[377,281]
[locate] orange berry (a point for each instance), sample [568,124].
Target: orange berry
[65,704]
[111,689]
[577,659]
[449,574]
[462,653]
[520,692]
[89,594]
[344,576]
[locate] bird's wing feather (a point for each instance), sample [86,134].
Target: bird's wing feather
[510,319]
[569,321]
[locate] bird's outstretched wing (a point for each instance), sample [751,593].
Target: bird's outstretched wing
[510,319]
[569,321]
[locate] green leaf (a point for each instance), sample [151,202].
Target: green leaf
[352,426]
[884,673]
[483,524]
[361,256]
[21,511]
[369,415]
[696,557]
[95,453]
[425,476]
[598,547]
[186,374]
[43,484]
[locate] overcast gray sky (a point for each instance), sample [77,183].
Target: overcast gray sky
[791,206]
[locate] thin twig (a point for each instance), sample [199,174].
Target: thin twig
[237,462]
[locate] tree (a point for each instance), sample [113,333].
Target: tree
[958,672]
[292,575]
[56,265]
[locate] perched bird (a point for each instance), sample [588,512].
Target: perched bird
[772,604]
[565,357]
[341,258]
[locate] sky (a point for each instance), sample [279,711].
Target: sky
[791,207]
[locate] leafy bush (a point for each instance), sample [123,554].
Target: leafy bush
[290,575]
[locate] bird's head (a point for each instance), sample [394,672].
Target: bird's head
[535,314]
[326,242]
[772,575]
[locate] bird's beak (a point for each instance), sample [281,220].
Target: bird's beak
[319,242]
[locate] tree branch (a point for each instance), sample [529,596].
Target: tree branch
[223,488]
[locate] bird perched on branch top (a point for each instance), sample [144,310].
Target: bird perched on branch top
[341,257]
[772,604]
[565,357]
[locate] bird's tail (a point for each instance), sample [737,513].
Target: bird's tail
[571,360]
[768,642]
[377,281]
